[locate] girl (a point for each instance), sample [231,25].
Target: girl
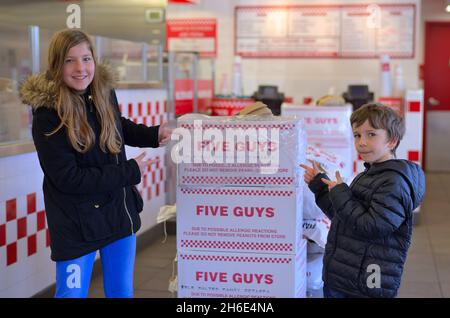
[90,200]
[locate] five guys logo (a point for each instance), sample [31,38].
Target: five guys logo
[240,278]
[238,211]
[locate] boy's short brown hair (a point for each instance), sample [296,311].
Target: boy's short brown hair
[380,117]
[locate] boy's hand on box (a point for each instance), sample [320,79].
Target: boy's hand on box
[310,172]
[331,184]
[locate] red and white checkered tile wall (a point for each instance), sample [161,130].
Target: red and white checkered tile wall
[149,113]
[22,226]
[153,181]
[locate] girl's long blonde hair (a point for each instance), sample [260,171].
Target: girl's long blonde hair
[70,105]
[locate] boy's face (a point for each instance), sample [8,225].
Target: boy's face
[79,67]
[373,144]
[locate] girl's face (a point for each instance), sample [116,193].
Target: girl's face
[373,144]
[79,67]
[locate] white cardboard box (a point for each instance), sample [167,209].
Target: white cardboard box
[239,219]
[241,275]
[264,151]
[328,128]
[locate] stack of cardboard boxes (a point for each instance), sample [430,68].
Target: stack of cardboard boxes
[239,207]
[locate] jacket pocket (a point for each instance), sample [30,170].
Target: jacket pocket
[137,199]
[99,218]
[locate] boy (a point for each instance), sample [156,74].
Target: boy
[371,221]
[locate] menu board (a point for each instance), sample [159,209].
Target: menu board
[357,38]
[325,31]
[396,34]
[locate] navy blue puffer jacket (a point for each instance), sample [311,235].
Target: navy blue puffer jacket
[371,227]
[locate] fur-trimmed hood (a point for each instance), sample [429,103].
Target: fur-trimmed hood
[38,91]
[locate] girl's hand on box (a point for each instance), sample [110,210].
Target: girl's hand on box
[164,134]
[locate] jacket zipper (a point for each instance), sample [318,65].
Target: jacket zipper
[90,103]
[125,202]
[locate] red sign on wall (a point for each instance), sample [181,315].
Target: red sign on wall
[192,35]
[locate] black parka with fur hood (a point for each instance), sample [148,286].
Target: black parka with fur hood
[90,199]
[371,227]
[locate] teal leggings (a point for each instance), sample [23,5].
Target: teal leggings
[73,276]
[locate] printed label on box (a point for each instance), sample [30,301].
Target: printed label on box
[264,220]
[239,151]
[241,275]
